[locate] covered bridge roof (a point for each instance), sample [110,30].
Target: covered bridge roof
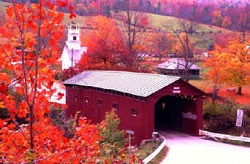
[137,84]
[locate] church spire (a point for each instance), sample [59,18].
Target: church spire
[72,51]
[73,41]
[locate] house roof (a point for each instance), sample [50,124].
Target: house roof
[137,84]
[177,63]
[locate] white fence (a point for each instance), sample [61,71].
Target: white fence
[223,136]
[157,151]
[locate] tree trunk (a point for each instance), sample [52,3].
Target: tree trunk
[214,94]
[239,92]
[160,57]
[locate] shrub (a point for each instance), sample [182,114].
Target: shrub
[4,113]
[113,139]
[220,116]
[58,118]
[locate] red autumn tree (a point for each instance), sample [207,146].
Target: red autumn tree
[160,44]
[221,40]
[29,49]
[105,45]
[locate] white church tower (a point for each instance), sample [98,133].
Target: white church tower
[73,41]
[72,51]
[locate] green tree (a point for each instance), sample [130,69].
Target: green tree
[113,139]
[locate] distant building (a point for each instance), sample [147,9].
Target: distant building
[72,51]
[59,95]
[176,67]
[204,55]
[144,102]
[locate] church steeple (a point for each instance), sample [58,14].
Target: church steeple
[73,41]
[72,51]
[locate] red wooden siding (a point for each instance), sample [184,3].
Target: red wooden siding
[96,112]
[94,103]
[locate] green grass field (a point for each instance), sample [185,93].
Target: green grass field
[168,23]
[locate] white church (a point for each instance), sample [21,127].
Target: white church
[72,51]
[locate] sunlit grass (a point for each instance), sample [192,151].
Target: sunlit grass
[160,156]
[148,148]
[201,84]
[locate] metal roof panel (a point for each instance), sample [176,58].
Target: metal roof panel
[138,84]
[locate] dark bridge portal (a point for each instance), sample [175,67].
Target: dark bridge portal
[168,113]
[176,112]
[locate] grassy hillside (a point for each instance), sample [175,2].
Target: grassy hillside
[169,24]
[166,23]
[203,33]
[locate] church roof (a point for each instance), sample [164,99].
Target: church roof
[137,84]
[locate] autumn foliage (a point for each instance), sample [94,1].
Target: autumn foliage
[105,43]
[29,48]
[229,65]
[108,46]
[29,51]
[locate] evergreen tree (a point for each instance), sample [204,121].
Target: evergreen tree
[113,139]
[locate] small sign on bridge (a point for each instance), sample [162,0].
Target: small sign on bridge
[239,118]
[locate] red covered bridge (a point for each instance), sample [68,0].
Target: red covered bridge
[144,102]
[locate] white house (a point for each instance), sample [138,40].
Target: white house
[176,67]
[72,51]
[59,96]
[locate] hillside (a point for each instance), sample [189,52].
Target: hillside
[168,24]
[222,13]
[156,22]
[216,2]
